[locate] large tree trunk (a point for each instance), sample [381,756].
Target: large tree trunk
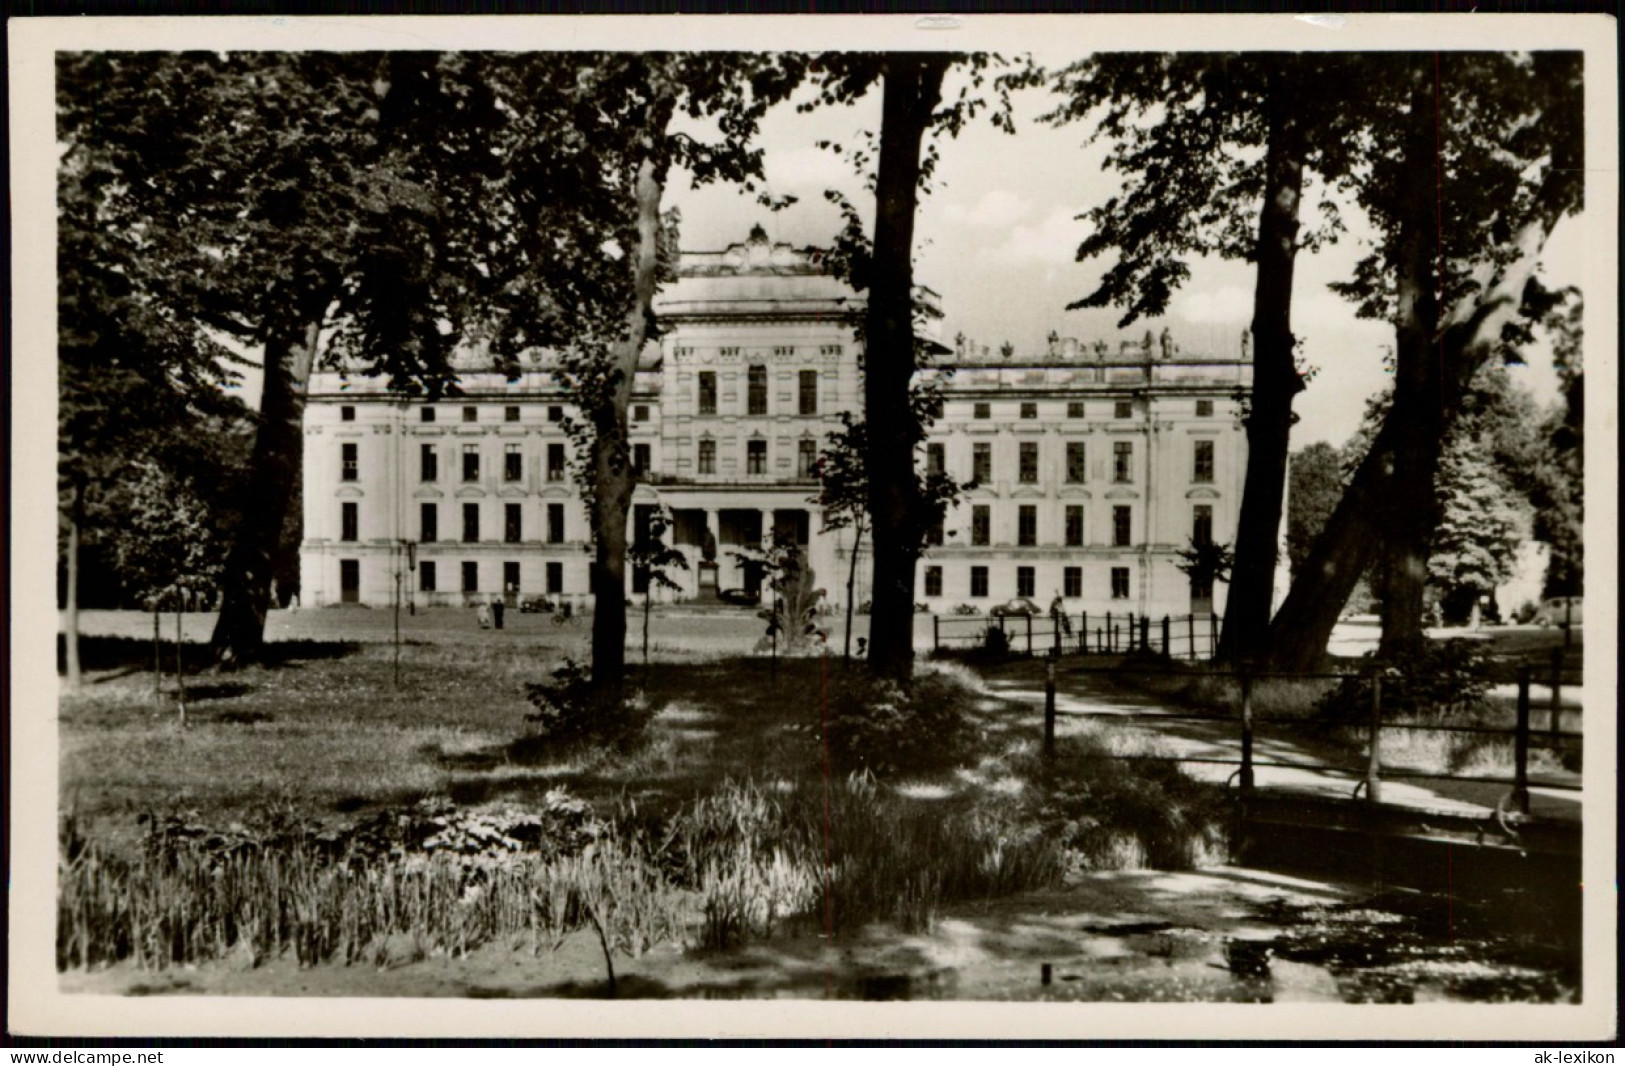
[1409,506]
[239,632]
[1275,382]
[70,613]
[1469,333]
[613,476]
[912,89]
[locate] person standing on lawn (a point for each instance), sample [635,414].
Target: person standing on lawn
[497,607]
[482,614]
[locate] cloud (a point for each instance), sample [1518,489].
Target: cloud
[1224,304]
[997,209]
[1054,240]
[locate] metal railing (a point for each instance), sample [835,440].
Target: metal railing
[1191,637]
[1369,778]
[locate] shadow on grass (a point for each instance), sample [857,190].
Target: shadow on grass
[133,654]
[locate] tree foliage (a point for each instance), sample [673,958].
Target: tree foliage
[1315,483]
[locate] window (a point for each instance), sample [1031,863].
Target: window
[1120,526]
[1123,461]
[471,577]
[555,413]
[428,523]
[1123,409]
[1029,410]
[1075,457]
[1028,473]
[933,581]
[426,576]
[1024,581]
[428,463]
[471,462]
[978,581]
[1202,470]
[980,526]
[640,412]
[1119,582]
[351,467]
[981,410]
[510,577]
[555,578]
[555,523]
[471,523]
[1074,409]
[1027,526]
[1072,582]
[708,456]
[640,460]
[934,535]
[756,390]
[1202,524]
[1074,525]
[981,463]
[350,522]
[784,353]
[756,456]
[426,414]
[512,462]
[809,392]
[935,458]
[512,524]
[806,458]
[728,353]
[830,350]
[555,461]
[1204,408]
[510,414]
[350,580]
[708,392]
[470,414]
[346,413]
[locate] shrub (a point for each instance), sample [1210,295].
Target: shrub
[1444,679]
[886,727]
[571,714]
[995,642]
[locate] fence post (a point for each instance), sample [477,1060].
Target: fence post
[1373,766]
[1166,650]
[1246,731]
[1191,619]
[1557,690]
[1145,632]
[936,633]
[1520,773]
[1029,636]
[1111,635]
[1049,707]
[1212,635]
[1083,632]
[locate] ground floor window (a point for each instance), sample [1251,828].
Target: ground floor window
[510,577]
[1024,581]
[1072,581]
[350,580]
[933,581]
[978,581]
[471,577]
[555,577]
[1119,582]
[426,576]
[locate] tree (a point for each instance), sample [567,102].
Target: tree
[654,560]
[900,504]
[1506,147]
[1315,483]
[1186,131]
[609,124]
[843,499]
[277,200]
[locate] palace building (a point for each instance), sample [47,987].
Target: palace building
[1088,466]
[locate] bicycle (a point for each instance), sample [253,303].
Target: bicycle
[565,614]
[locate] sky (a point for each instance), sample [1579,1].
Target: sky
[997,237]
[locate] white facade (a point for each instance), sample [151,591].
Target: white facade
[757,360]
